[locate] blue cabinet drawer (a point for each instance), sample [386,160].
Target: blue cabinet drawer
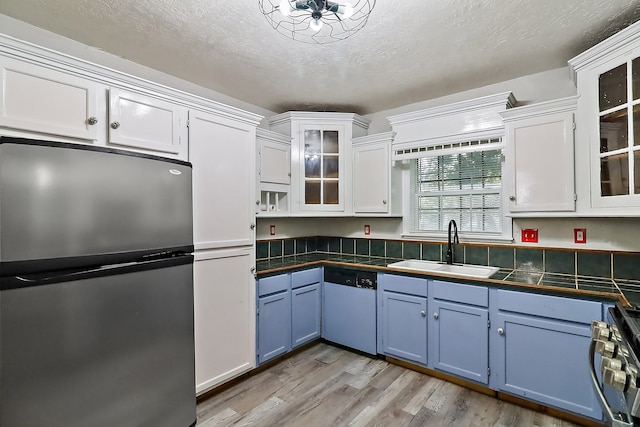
[273,284]
[562,308]
[466,294]
[403,284]
[305,277]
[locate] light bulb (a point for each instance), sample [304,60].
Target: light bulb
[285,8]
[316,24]
[346,11]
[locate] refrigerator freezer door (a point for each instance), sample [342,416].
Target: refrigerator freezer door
[60,201]
[104,351]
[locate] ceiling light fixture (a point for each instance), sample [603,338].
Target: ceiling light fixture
[317,21]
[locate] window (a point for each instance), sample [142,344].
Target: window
[465,186]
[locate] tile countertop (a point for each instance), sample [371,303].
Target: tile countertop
[627,291]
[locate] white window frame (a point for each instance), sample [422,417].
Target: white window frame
[449,146]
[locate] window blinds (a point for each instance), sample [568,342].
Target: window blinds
[464,186]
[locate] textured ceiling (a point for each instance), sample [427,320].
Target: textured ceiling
[411,50]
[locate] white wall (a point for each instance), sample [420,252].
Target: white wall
[529,89]
[25,32]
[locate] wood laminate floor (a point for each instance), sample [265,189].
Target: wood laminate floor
[328,386]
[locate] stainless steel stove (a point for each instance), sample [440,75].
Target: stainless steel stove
[617,342]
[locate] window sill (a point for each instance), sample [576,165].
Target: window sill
[464,238]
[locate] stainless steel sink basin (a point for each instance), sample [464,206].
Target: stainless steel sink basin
[458,270]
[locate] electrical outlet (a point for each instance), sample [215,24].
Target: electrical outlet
[367,229]
[272,230]
[580,235]
[530,235]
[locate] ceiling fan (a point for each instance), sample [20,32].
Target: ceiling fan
[317,21]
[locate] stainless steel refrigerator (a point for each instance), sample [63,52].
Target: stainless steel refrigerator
[96,287]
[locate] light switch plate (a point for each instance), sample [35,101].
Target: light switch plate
[580,235]
[530,235]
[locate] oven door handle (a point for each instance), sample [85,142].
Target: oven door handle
[616,420]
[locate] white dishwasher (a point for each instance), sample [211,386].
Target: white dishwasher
[349,308]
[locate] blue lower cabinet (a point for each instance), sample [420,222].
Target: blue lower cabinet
[274,326]
[459,340]
[539,348]
[404,326]
[305,314]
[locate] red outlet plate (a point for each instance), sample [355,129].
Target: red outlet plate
[367,230]
[530,235]
[272,230]
[580,235]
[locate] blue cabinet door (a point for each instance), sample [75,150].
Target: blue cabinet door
[274,326]
[404,326]
[305,314]
[459,340]
[543,360]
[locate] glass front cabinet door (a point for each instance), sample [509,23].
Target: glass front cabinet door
[608,81]
[321,167]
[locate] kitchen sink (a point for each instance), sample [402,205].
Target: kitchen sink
[458,270]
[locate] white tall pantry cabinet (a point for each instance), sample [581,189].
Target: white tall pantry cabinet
[222,152]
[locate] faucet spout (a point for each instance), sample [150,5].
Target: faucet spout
[451,241]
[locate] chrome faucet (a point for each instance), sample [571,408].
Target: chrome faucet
[450,242]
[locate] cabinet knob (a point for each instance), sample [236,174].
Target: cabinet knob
[500,331]
[115,125]
[436,315]
[289,174]
[384,202]
[512,198]
[423,313]
[252,226]
[257,202]
[92,121]
[253,270]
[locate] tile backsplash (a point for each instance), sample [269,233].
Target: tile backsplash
[617,265]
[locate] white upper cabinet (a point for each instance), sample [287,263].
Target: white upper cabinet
[274,173]
[274,154]
[146,123]
[42,100]
[222,153]
[372,175]
[608,82]
[321,160]
[539,157]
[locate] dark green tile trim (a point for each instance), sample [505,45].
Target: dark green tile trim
[323,244]
[377,248]
[275,248]
[312,244]
[335,244]
[501,257]
[362,246]
[348,246]
[594,264]
[301,246]
[394,249]
[262,250]
[478,255]
[529,259]
[626,266]
[289,247]
[563,262]
[411,250]
[431,252]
